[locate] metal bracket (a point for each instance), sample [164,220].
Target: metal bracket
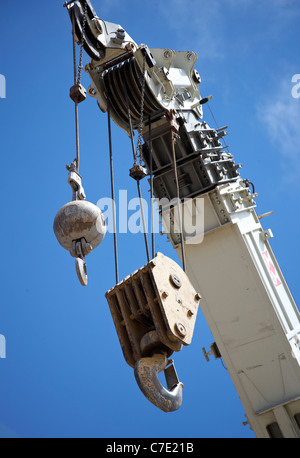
[214,351]
[80,248]
[266,235]
[171,375]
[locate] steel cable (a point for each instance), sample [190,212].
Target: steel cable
[112,191]
[179,202]
[137,181]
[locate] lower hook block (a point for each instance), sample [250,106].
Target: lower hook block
[79,227]
[146,372]
[154,311]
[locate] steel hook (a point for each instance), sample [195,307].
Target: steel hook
[146,372]
[81,271]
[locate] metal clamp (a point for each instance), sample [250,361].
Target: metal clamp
[214,351]
[74,180]
[80,248]
[146,372]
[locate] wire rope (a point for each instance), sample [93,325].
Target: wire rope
[112,190]
[75,102]
[151,187]
[137,180]
[179,202]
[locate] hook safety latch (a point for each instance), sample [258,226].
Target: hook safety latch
[146,372]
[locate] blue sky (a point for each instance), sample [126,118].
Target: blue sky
[64,374]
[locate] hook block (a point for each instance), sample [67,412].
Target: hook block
[151,311]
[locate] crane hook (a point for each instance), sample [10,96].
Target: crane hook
[146,372]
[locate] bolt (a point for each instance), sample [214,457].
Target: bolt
[180,329]
[175,280]
[190,312]
[165,294]
[178,299]
[198,297]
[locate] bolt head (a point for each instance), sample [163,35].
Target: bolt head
[175,281]
[180,329]
[178,299]
[196,77]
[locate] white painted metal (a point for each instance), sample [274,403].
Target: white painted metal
[248,307]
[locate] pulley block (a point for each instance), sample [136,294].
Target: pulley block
[77,12]
[154,311]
